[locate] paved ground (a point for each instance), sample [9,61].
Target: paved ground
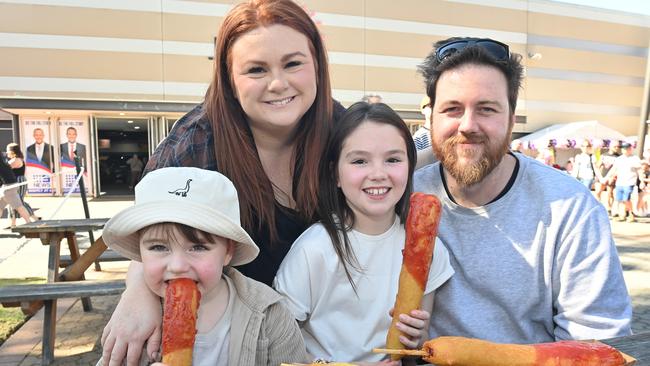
[77,334]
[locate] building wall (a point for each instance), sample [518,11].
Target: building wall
[592,63]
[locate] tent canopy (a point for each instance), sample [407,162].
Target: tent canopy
[574,132]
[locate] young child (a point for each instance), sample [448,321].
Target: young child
[185,224]
[340,277]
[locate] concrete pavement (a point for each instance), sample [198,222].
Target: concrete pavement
[78,333]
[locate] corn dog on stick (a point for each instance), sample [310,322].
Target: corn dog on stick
[421,231]
[460,351]
[182,299]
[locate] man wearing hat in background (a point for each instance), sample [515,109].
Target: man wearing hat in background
[626,169]
[185,224]
[422,137]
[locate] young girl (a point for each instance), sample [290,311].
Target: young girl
[340,277]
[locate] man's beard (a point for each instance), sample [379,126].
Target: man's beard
[474,171]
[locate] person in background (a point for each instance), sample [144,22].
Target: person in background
[547,154]
[372,98]
[263,124]
[533,251]
[626,170]
[607,184]
[422,137]
[136,165]
[584,166]
[9,193]
[517,146]
[40,153]
[643,203]
[16,161]
[340,277]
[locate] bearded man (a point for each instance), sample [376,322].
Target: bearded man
[533,251]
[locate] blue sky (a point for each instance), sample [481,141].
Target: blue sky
[630,6]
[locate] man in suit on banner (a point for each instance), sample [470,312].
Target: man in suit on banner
[71,147]
[40,152]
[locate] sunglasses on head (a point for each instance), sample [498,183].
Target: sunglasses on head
[496,49]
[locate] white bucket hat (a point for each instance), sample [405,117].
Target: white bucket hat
[202,199]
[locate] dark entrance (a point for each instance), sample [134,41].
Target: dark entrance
[119,139]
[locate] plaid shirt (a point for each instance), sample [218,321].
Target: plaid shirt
[190,143]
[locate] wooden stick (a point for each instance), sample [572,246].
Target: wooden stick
[405,352]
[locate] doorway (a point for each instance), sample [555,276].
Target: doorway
[118,140]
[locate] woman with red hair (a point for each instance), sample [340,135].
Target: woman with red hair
[263,124]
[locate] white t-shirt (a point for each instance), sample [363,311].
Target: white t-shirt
[336,323]
[211,348]
[626,169]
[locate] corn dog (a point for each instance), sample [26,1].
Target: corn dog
[179,322]
[460,351]
[421,231]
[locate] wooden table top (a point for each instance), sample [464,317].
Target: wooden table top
[637,346]
[66,225]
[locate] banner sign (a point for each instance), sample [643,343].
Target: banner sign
[74,139]
[39,156]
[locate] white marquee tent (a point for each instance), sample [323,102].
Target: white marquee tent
[577,131]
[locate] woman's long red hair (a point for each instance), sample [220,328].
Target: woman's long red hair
[235,149]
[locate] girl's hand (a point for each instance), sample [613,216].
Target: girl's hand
[382,363]
[415,328]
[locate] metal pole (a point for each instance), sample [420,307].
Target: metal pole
[84,201]
[645,108]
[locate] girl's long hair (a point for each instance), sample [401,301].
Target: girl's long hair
[235,149]
[336,216]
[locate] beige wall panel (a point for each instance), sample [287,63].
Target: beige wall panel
[190,28]
[443,12]
[607,63]
[342,39]
[592,30]
[346,7]
[347,77]
[394,80]
[626,125]
[80,64]
[410,45]
[189,69]
[94,96]
[105,96]
[61,20]
[183,98]
[568,91]
[399,44]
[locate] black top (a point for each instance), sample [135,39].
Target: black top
[19,171]
[6,174]
[265,266]
[190,143]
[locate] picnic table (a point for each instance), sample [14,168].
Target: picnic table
[637,346]
[51,233]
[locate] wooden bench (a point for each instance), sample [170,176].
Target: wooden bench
[49,292]
[59,290]
[107,256]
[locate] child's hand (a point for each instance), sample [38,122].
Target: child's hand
[414,327]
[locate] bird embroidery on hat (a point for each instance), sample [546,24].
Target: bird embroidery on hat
[182,191]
